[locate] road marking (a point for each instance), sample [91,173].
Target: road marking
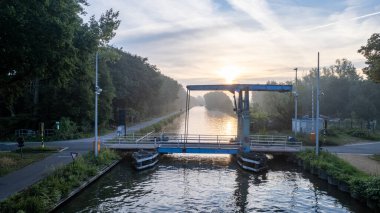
[63,149]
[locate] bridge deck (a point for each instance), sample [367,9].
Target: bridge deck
[212,144]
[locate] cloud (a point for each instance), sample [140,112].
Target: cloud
[191,40]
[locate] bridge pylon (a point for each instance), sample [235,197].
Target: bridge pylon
[242,105]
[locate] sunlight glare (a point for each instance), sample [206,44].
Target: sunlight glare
[229,73]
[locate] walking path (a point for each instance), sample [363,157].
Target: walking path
[25,177]
[358,155]
[362,162]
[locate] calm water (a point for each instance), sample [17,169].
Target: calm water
[210,183]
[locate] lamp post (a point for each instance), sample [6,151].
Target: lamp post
[317,114]
[295,105]
[97,92]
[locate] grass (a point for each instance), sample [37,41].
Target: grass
[74,136]
[337,137]
[12,161]
[375,157]
[160,125]
[44,195]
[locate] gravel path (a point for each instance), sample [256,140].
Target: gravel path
[362,162]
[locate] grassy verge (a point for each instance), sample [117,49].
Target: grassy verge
[12,161]
[375,157]
[73,136]
[160,125]
[336,137]
[44,195]
[362,185]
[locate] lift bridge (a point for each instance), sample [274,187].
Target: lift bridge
[215,144]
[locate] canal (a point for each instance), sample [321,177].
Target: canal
[210,183]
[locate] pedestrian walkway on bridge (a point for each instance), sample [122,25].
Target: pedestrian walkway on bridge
[212,144]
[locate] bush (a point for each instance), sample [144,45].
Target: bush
[68,129]
[373,189]
[358,186]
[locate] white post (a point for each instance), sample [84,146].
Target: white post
[96,106]
[317,114]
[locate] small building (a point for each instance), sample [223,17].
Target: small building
[305,124]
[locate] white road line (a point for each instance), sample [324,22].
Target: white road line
[63,149]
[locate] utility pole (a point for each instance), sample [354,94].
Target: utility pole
[97,92]
[317,114]
[295,105]
[312,106]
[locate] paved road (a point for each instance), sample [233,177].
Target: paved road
[360,148]
[21,179]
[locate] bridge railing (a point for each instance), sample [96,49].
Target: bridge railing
[273,141]
[174,138]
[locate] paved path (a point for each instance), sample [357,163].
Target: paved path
[362,162]
[358,155]
[359,148]
[23,178]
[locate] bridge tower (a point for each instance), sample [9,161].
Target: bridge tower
[242,105]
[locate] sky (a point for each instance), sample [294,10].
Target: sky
[242,41]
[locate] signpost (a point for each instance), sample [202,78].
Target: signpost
[97,92]
[20,141]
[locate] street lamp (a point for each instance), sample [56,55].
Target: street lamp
[317,113]
[98,90]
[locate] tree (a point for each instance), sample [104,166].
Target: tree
[47,58]
[372,53]
[218,101]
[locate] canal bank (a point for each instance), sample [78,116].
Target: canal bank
[85,184]
[348,179]
[61,184]
[31,174]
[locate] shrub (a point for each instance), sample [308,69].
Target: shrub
[68,129]
[373,189]
[358,186]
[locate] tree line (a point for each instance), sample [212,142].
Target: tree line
[344,95]
[47,69]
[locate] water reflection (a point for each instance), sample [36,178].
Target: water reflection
[203,121]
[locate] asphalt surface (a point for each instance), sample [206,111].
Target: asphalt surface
[25,177]
[359,148]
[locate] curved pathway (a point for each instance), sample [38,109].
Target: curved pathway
[23,178]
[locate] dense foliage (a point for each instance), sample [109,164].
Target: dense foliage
[372,53]
[344,95]
[47,70]
[218,101]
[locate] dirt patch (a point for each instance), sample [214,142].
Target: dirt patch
[362,162]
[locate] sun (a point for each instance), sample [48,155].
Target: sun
[229,73]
